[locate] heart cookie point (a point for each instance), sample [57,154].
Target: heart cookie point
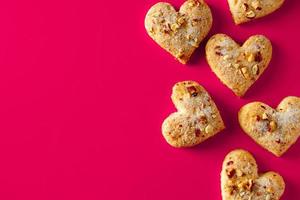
[240,179]
[179,33]
[197,118]
[238,67]
[247,10]
[276,130]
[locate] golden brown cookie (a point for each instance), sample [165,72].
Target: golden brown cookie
[197,118]
[238,67]
[246,10]
[180,33]
[241,181]
[274,129]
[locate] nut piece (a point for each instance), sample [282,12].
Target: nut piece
[236,65]
[226,57]
[209,129]
[180,20]
[195,43]
[265,116]
[255,70]
[250,14]
[245,6]
[272,126]
[202,120]
[192,90]
[245,72]
[230,172]
[268,197]
[256,5]
[174,27]
[251,58]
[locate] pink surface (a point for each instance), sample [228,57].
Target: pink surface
[84,91]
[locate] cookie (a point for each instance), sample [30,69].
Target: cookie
[179,33]
[197,118]
[274,129]
[246,10]
[241,181]
[238,67]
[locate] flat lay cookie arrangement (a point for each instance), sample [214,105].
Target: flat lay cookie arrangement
[238,66]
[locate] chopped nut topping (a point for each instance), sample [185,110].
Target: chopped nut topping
[174,27]
[202,120]
[230,162]
[268,197]
[251,58]
[166,28]
[191,3]
[236,65]
[256,5]
[257,118]
[249,185]
[188,37]
[213,116]
[265,116]
[230,172]
[226,57]
[209,129]
[250,14]
[258,57]
[272,126]
[195,43]
[218,51]
[151,30]
[270,190]
[241,57]
[180,20]
[245,6]
[245,72]
[255,70]
[192,90]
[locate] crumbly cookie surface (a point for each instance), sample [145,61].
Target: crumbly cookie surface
[246,10]
[240,179]
[274,129]
[238,67]
[180,33]
[197,118]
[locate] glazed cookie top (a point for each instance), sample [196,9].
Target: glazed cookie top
[240,179]
[180,33]
[197,118]
[237,66]
[274,129]
[247,10]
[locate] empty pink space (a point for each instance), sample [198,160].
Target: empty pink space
[84,91]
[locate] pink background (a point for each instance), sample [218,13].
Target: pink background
[84,91]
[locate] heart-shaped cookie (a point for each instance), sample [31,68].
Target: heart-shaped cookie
[274,129]
[241,181]
[197,117]
[247,10]
[180,33]
[238,67]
